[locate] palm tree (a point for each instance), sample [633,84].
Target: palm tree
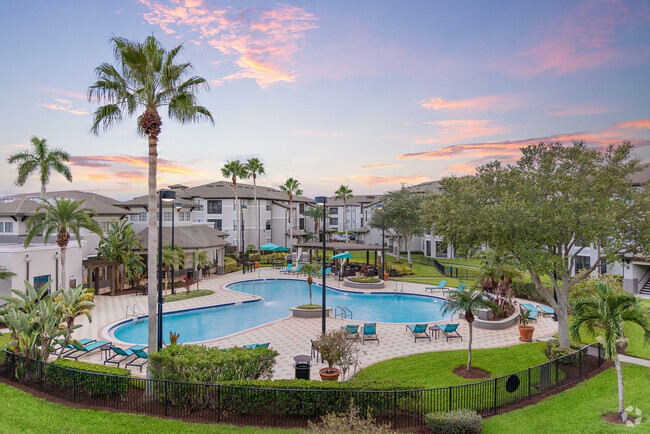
[70,306]
[234,170]
[171,259]
[61,216]
[496,274]
[256,167]
[469,302]
[317,214]
[41,159]
[133,268]
[5,274]
[310,269]
[344,192]
[147,78]
[117,245]
[199,262]
[609,310]
[291,187]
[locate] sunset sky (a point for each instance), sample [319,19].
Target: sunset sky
[367,93]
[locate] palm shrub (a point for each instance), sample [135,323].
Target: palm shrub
[5,274]
[199,262]
[469,302]
[496,275]
[172,258]
[344,193]
[310,269]
[609,310]
[71,305]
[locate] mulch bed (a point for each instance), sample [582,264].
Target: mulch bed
[613,418]
[472,374]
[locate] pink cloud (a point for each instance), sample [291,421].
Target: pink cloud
[112,161]
[582,110]
[463,129]
[378,166]
[492,102]
[259,42]
[57,92]
[65,106]
[373,180]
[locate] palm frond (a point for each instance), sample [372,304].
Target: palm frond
[108,116]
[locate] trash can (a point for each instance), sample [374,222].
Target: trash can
[302,371]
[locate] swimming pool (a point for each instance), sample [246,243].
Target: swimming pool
[278,295]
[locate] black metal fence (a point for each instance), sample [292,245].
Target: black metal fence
[292,407]
[453,271]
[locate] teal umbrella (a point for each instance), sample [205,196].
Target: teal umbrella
[273,248]
[341,256]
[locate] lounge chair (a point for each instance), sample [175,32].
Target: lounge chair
[140,354]
[120,355]
[440,286]
[532,313]
[419,331]
[528,306]
[80,350]
[369,333]
[450,331]
[69,348]
[460,288]
[296,270]
[351,331]
[328,270]
[286,270]
[546,310]
[253,346]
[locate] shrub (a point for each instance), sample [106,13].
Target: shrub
[88,296]
[555,351]
[587,287]
[229,265]
[454,422]
[401,269]
[526,290]
[347,422]
[365,279]
[60,374]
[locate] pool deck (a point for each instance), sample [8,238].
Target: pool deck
[291,336]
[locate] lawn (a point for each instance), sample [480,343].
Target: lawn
[22,412]
[430,370]
[579,409]
[183,295]
[451,282]
[419,269]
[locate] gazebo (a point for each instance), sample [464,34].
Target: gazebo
[341,247]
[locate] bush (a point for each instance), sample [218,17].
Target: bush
[526,290]
[454,422]
[60,374]
[229,265]
[555,351]
[347,422]
[587,288]
[89,295]
[365,279]
[401,269]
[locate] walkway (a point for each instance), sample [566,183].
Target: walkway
[634,360]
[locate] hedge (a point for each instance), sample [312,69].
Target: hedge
[401,270]
[229,265]
[59,373]
[454,422]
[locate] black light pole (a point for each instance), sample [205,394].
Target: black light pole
[167,196]
[241,220]
[176,206]
[383,240]
[323,200]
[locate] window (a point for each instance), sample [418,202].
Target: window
[441,249]
[334,210]
[334,222]
[2,227]
[214,207]
[603,266]
[234,204]
[9,226]
[187,216]
[268,206]
[133,218]
[142,216]
[167,216]
[268,240]
[268,224]
[41,280]
[301,208]
[301,223]
[234,225]
[104,226]
[217,223]
[582,263]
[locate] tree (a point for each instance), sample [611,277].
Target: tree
[469,302]
[316,213]
[199,262]
[344,193]
[236,170]
[545,210]
[71,306]
[117,244]
[609,310]
[61,216]
[5,274]
[400,217]
[292,188]
[147,78]
[310,269]
[41,159]
[172,258]
[496,275]
[256,167]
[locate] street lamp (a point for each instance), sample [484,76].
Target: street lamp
[176,207]
[383,240]
[241,221]
[323,200]
[163,196]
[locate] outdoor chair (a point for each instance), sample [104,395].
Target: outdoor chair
[369,333]
[120,355]
[440,286]
[451,331]
[314,349]
[328,270]
[351,331]
[532,313]
[528,306]
[140,354]
[545,310]
[460,288]
[80,350]
[253,346]
[70,348]
[296,270]
[419,331]
[287,270]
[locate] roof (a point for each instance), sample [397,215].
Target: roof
[426,187]
[18,207]
[339,247]
[189,237]
[225,190]
[362,199]
[362,230]
[143,201]
[642,176]
[100,204]
[75,194]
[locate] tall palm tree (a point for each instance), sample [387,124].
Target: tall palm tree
[147,78]
[41,159]
[199,262]
[292,188]
[310,269]
[469,302]
[609,310]
[256,167]
[317,214]
[61,216]
[5,274]
[344,192]
[236,170]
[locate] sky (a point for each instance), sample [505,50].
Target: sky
[370,94]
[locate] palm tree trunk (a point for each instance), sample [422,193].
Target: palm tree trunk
[64,284]
[152,243]
[290,224]
[469,348]
[345,219]
[42,191]
[238,211]
[621,391]
[257,204]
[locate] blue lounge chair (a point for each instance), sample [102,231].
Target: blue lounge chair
[120,355]
[81,350]
[286,270]
[419,331]
[140,354]
[369,333]
[296,270]
[440,286]
[546,310]
[528,306]
[253,346]
[328,270]
[450,331]
[351,331]
[69,348]
[532,314]
[460,288]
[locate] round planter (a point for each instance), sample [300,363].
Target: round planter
[362,285]
[309,313]
[526,333]
[333,376]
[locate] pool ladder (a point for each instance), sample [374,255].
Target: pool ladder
[138,315]
[399,287]
[343,311]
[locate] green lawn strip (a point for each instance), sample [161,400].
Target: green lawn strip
[451,282]
[184,295]
[22,412]
[579,409]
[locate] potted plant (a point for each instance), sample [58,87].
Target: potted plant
[331,345]
[525,331]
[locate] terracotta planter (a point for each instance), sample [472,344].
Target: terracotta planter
[257,265]
[333,376]
[386,276]
[526,333]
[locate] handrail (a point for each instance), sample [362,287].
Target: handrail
[134,312]
[343,311]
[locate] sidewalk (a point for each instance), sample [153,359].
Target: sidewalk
[634,360]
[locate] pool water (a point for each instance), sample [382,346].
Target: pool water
[277,297]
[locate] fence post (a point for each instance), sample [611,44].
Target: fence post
[449,408]
[40,374]
[74,385]
[395,409]
[600,360]
[580,361]
[218,403]
[495,396]
[528,382]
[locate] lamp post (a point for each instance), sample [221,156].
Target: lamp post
[323,200]
[242,207]
[176,207]
[163,196]
[383,240]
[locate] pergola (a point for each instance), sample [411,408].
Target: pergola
[92,266]
[341,247]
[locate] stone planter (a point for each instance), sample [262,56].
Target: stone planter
[309,313]
[493,325]
[363,286]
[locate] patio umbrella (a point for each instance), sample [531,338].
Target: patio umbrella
[273,248]
[341,256]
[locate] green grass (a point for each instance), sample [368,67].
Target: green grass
[451,282]
[184,295]
[579,409]
[22,412]
[430,370]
